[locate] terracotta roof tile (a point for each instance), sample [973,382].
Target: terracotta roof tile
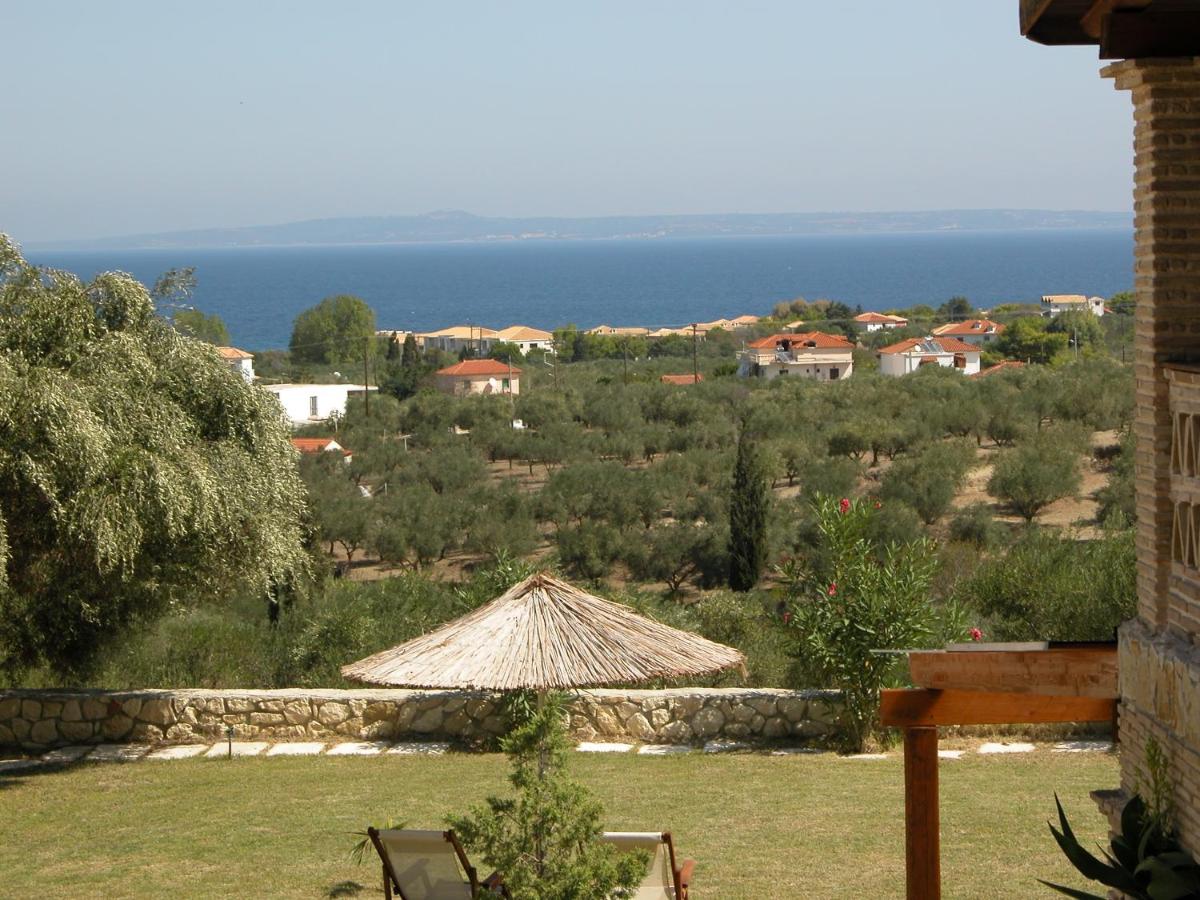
[479,367]
[681,379]
[817,339]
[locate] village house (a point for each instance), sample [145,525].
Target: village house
[973,331]
[310,446]
[527,338]
[910,355]
[611,331]
[238,360]
[479,376]
[305,404]
[475,339]
[681,379]
[1055,304]
[814,354]
[873,321]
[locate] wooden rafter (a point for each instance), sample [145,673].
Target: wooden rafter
[1071,672]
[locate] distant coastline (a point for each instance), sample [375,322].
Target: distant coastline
[457,227]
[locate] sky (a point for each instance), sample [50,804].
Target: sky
[134,117]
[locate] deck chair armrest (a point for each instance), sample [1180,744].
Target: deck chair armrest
[685,873]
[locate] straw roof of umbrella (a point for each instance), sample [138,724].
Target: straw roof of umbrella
[545,634]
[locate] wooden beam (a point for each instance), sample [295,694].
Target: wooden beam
[920,707]
[1083,672]
[1128,34]
[1031,11]
[922,830]
[1093,20]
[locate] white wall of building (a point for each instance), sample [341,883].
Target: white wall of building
[305,404]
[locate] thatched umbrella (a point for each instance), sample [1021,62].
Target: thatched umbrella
[544,634]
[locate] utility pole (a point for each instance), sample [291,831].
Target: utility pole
[695,357]
[367,377]
[625,358]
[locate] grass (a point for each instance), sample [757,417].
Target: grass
[759,826]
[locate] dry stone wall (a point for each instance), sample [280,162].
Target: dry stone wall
[40,720]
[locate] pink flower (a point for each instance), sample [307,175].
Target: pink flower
[976,634]
[787,617]
[878,505]
[844,506]
[832,589]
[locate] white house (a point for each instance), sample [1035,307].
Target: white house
[1053,304]
[479,376]
[873,321]
[976,332]
[814,354]
[527,338]
[910,355]
[238,360]
[308,403]
[456,338]
[322,445]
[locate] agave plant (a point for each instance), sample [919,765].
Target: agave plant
[1145,862]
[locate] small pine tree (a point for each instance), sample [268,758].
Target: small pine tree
[747,517]
[544,839]
[411,357]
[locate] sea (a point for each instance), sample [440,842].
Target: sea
[258,291]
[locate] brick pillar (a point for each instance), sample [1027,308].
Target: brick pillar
[1166,113]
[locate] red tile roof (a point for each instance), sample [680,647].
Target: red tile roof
[948,345]
[480,367]
[879,317]
[818,339]
[234,353]
[681,379]
[318,445]
[970,326]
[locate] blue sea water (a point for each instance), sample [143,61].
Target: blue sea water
[259,291]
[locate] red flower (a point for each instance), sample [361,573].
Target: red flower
[832,589]
[787,617]
[878,505]
[844,506]
[976,634]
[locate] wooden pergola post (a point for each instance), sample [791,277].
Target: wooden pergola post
[922,830]
[983,687]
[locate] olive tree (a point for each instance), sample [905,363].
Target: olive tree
[137,471]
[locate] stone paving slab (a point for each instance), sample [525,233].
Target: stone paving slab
[18,765]
[297,748]
[1015,747]
[725,746]
[951,754]
[864,756]
[1082,746]
[415,748]
[179,751]
[66,754]
[358,748]
[663,749]
[797,751]
[118,752]
[601,747]
[239,748]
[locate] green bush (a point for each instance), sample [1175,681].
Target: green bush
[976,525]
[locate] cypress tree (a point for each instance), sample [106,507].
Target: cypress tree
[747,517]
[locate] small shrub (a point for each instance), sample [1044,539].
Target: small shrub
[976,525]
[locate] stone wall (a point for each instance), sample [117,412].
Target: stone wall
[38,720]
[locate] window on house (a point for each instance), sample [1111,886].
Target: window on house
[833,373]
[466,385]
[312,407]
[504,383]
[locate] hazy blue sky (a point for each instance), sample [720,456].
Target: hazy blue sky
[127,116]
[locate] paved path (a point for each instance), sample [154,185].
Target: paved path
[224,749]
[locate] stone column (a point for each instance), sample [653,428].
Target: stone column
[1159,655]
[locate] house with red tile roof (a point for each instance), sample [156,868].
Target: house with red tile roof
[479,376]
[681,379]
[874,321]
[238,360]
[972,331]
[813,354]
[907,356]
[321,445]
[1056,304]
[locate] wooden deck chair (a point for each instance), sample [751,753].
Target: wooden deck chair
[427,865]
[664,879]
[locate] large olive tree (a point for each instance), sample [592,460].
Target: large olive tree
[137,471]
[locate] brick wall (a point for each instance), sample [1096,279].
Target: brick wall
[1159,659]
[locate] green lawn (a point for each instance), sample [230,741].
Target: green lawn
[759,826]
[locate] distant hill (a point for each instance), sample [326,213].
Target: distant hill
[455,225]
